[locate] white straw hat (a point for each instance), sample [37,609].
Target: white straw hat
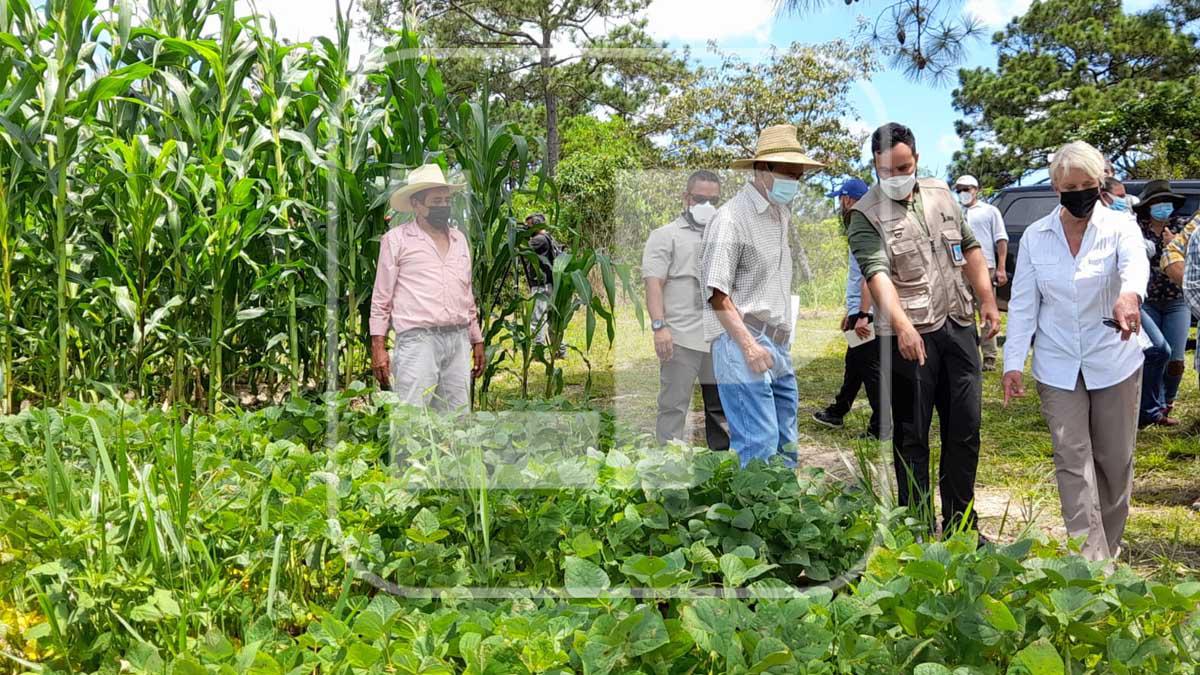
[422,178]
[778,145]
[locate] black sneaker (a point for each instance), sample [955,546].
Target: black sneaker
[823,417]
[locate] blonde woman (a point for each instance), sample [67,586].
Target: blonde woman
[1080,281]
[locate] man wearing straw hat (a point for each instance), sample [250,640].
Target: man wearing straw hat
[423,292]
[747,276]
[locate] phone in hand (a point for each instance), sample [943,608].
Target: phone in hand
[1112,323]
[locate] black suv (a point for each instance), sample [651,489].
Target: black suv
[1022,206]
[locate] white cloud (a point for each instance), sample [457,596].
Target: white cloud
[702,20]
[302,21]
[995,13]
[948,144]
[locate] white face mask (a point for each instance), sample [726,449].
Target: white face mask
[702,213]
[898,187]
[964,198]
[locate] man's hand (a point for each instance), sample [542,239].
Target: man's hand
[664,345]
[1127,312]
[1168,236]
[758,357]
[1001,277]
[477,359]
[991,319]
[379,362]
[862,327]
[1013,385]
[912,345]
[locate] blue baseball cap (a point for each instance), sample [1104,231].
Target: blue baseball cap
[853,188]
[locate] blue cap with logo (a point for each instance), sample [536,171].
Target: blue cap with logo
[853,188]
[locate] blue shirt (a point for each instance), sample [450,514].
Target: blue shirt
[854,287]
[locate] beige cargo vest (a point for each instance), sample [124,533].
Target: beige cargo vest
[931,283]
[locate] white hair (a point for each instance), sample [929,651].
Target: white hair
[1077,155]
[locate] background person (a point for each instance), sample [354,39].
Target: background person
[747,276]
[988,226]
[862,362]
[921,262]
[671,270]
[539,274]
[1077,268]
[423,291]
[1165,315]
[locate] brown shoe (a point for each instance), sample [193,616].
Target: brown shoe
[1165,421]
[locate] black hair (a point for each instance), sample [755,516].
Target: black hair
[702,176]
[1112,183]
[535,219]
[890,135]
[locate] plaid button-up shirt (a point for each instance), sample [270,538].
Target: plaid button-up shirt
[1191,280]
[746,256]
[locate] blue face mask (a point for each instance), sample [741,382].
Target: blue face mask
[783,190]
[1119,204]
[1162,210]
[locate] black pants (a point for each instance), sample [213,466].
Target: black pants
[862,371]
[951,382]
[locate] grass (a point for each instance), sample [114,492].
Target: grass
[1015,480]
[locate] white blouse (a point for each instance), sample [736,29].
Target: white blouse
[1063,300]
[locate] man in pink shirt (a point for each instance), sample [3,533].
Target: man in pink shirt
[423,292]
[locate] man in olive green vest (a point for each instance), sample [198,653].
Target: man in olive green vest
[921,262]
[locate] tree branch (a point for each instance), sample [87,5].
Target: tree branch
[494,29]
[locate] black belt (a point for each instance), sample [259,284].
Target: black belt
[777,334]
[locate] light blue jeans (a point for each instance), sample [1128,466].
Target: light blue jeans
[760,407]
[1173,319]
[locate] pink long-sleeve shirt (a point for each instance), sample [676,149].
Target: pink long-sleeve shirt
[415,287]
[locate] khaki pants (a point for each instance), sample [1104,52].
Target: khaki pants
[432,368]
[1094,433]
[986,345]
[677,383]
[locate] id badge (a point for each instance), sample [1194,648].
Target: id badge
[956,252]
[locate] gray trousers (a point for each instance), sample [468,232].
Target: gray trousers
[1094,433]
[540,306]
[986,345]
[677,383]
[432,368]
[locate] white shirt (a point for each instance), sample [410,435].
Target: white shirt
[1064,300]
[988,225]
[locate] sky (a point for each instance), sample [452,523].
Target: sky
[750,27]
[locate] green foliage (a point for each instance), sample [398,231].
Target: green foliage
[249,543]
[205,222]
[717,115]
[1083,69]
[595,155]
[513,45]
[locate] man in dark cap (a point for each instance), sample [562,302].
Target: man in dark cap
[862,360]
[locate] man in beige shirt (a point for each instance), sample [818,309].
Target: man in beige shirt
[671,269]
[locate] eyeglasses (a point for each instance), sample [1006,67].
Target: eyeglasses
[700,199]
[962,190]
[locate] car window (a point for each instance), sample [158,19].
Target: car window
[1025,209]
[1191,205]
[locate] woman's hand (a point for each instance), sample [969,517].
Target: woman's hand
[1127,312]
[1014,386]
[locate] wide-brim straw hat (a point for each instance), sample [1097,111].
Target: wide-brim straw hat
[779,145]
[422,178]
[1157,191]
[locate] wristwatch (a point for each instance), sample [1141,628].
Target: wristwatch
[658,324]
